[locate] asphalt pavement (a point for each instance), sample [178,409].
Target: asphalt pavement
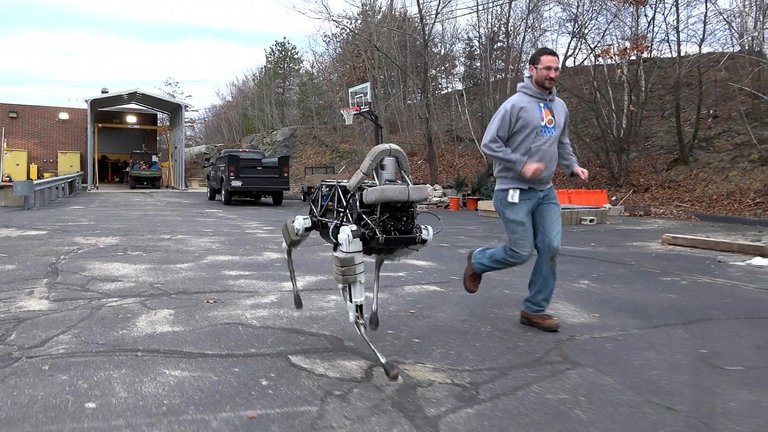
[163,311]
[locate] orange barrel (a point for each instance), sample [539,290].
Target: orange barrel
[454,203]
[472,203]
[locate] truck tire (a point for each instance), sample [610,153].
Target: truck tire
[211,192]
[156,185]
[277,198]
[226,196]
[132,183]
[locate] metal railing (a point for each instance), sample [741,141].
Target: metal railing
[38,193]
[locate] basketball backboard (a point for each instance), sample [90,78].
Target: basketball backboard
[361,96]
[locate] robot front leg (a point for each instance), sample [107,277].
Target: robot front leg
[374,320]
[295,231]
[389,369]
[349,271]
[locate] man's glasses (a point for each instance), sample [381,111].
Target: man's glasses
[548,69]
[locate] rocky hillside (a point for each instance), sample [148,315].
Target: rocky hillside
[728,174]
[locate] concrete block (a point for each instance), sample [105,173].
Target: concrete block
[7,199]
[583,216]
[195,182]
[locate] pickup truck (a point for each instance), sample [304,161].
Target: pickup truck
[247,173]
[143,169]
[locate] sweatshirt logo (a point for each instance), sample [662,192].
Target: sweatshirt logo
[547,115]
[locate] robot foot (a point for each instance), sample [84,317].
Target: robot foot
[390,370]
[373,321]
[297,303]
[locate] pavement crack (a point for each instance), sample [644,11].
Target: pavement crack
[662,326]
[408,403]
[688,276]
[43,341]
[471,397]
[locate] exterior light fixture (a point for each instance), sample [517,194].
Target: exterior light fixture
[63,115]
[130,118]
[13,114]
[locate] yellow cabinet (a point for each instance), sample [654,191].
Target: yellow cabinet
[15,164]
[68,163]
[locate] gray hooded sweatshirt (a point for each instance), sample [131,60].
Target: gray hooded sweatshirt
[530,126]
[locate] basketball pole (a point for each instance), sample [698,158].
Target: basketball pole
[378,130]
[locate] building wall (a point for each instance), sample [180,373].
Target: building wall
[38,130]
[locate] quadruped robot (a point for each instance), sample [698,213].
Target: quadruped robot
[371,214]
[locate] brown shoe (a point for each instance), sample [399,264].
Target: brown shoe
[471,277]
[543,322]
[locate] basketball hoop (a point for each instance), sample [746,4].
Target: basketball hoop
[349,113]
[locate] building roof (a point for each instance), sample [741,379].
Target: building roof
[136,97]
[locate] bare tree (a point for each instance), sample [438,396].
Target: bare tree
[428,15]
[680,35]
[581,25]
[172,88]
[619,80]
[222,122]
[397,50]
[500,34]
[748,24]
[372,43]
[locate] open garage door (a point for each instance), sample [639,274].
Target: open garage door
[114,147]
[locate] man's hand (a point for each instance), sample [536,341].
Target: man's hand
[533,170]
[580,173]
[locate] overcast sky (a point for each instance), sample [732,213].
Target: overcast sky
[60,52]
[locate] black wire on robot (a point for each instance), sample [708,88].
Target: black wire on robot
[371,214]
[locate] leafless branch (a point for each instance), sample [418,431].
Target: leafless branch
[746,123]
[749,90]
[469,122]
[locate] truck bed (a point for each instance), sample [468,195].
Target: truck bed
[248,174]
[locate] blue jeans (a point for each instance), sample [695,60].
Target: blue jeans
[534,222]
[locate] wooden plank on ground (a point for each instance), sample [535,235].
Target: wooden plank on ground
[488,213]
[486,208]
[757,249]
